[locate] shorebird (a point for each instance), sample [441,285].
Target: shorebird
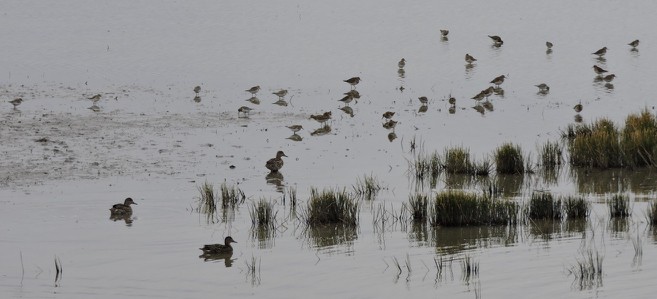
[197,89]
[488,91]
[353,93]
[496,40]
[123,208]
[353,81]
[634,43]
[543,87]
[402,63]
[95,98]
[578,108]
[281,93]
[609,78]
[423,100]
[390,124]
[219,248]
[388,114]
[347,99]
[244,110]
[452,100]
[480,96]
[444,32]
[469,59]
[295,128]
[322,117]
[548,45]
[598,70]
[253,90]
[16,102]
[600,52]
[498,80]
[274,164]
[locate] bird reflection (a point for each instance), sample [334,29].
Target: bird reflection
[392,136]
[295,137]
[578,118]
[487,105]
[253,100]
[125,217]
[321,131]
[391,124]
[276,178]
[452,110]
[401,73]
[227,257]
[348,110]
[94,108]
[609,86]
[499,91]
[444,39]
[548,51]
[601,59]
[197,99]
[479,109]
[281,102]
[423,109]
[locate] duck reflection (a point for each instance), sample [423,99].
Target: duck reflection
[325,129]
[276,178]
[127,218]
[226,257]
[295,137]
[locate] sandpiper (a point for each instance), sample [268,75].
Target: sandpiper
[496,40]
[578,108]
[390,124]
[388,114]
[498,80]
[480,96]
[274,164]
[469,59]
[598,70]
[452,100]
[549,45]
[197,89]
[281,93]
[353,93]
[253,90]
[444,32]
[402,63]
[322,117]
[346,99]
[423,100]
[16,102]
[244,110]
[295,128]
[123,208]
[543,87]
[488,91]
[634,43]
[353,81]
[95,98]
[219,248]
[600,52]
[609,78]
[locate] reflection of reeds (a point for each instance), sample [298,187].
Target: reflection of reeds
[58,270]
[331,207]
[509,159]
[469,268]
[253,270]
[588,270]
[543,206]
[454,208]
[263,215]
[207,203]
[575,207]
[551,155]
[367,188]
[652,214]
[231,197]
[418,204]
[427,167]
[619,206]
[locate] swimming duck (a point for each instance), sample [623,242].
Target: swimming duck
[219,248]
[274,164]
[123,208]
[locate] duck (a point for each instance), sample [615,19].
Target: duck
[219,248]
[123,208]
[274,164]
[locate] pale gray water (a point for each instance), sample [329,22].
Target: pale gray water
[155,144]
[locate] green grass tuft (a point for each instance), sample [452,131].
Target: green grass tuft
[231,197]
[418,204]
[542,205]
[368,188]
[331,207]
[509,159]
[263,215]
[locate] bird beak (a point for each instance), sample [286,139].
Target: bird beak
[134,203]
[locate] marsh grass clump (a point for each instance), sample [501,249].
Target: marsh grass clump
[619,206]
[598,147]
[457,161]
[231,197]
[418,205]
[509,159]
[331,207]
[482,168]
[456,208]
[207,201]
[427,167]
[588,270]
[652,214]
[576,207]
[263,215]
[551,155]
[639,139]
[542,205]
[368,188]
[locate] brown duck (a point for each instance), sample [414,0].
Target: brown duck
[219,248]
[274,164]
[123,208]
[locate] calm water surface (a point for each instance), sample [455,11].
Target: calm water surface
[151,141]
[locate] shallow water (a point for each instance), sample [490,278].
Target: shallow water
[151,141]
